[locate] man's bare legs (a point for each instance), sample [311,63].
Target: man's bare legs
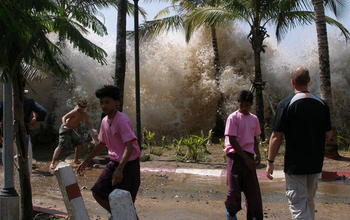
[54,156]
[76,155]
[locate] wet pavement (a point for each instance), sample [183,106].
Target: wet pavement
[180,196]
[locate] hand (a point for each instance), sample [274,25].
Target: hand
[93,132]
[81,168]
[30,126]
[250,163]
[257,160]
[117,176]
[269,170]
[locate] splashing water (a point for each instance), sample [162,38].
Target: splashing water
[178,90]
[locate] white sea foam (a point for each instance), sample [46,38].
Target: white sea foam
[178,90]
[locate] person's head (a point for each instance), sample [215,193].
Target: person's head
[109,98]
[82,103]
[245,101]
[300,77]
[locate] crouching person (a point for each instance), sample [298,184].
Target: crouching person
[116,132]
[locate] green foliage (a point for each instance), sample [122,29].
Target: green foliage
[264,149]
[177,145]
[343,139]
[222,143]
[196,147]
[264,145]
[149,139]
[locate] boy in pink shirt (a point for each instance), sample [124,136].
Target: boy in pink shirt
[241,144]
[116,132]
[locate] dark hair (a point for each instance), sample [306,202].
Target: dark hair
[108,91]
[245,96]
[82,102]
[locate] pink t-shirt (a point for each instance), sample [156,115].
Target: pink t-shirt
[115,132]
[245,128]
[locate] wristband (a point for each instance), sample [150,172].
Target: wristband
[271,161]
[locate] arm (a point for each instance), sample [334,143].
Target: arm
[257,152]
[118,173]
[235,145]
[97,150]
[38,115]
[40,111]
[274,146]
[66,118]
[86,121]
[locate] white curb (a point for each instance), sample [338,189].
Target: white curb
[201,172]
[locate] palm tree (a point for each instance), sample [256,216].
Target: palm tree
[23,29]
[124,8]
[83,13]
[324,63]
[119,75]
[178,22]
[257,13]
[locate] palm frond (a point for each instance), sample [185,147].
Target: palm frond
[335,23]
[89,20]
[70,32]
[166,11]
[209,16]
[340,8]
[290,20]
[151,28]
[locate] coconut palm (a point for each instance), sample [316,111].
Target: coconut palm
[120,67]
[338,7]
[162,24]
[23,42]
[124,8]
[85,13]
[257,13]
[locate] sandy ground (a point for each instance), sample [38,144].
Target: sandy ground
[173,196]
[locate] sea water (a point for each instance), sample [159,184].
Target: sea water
[178,90]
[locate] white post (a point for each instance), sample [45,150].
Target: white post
[70,191]
[122,207]
[9,199]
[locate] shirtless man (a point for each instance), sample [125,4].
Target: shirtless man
[67,136]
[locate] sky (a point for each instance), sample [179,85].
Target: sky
[295,38]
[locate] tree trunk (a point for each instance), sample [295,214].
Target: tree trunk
[219,128]
[257,37]
[325,75]
[21,140]
[259,94]
[119,79]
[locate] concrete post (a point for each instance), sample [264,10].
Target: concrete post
[9,199]
[122,207]
[70,192]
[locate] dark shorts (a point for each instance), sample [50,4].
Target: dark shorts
[241,179]
[68,138]
[131,179]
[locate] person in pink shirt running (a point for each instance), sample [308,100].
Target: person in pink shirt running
[242,129]
[117,133]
